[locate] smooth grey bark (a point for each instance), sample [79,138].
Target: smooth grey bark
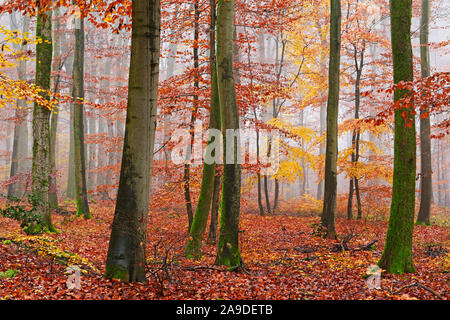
[78,123]
[41,125]
[228,252]
[56,69]
[126,252]
[70,188]
[19,162]
[329,203]
[426,186]
[102,128]
[208,186]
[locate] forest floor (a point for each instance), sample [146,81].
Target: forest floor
[283,260]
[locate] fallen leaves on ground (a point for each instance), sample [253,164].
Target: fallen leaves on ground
[283,260]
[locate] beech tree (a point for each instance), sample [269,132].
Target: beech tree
[78,122]
[228,252]
[397,253]
[126,253]
[329,202]
[209,169]
[41,124]
[20,142]
[426,191]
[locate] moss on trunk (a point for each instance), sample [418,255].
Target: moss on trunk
[41,123]
[331,154]
[397,254]
[228,253]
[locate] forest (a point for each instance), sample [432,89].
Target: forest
[224,150]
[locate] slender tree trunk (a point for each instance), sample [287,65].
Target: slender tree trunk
[350,199]
[126,253]
[57,66]
[92,156]
[426,191]
[266,194]
[70,189]
[187,194]
[41,125]
[354,183]
[329,203]
[193,247]
[20,141]
[228,252]
[186,186]
[78,124]
[438,173]
[276,196]
[260,205]
[212,236]
[397,254]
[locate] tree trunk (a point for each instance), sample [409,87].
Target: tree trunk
[329,203]
[193,247]
[126,253]
[228,252]
[57,66]
[78,124]
[397,254]
[212,236]
[354,183]
[41,125]
[266,194]
[426,190]
[20,141]
[350,199]
[70,189]
[187,193]
[276,196]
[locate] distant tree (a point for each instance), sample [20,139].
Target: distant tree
[397,253]
[78,122]
[426,190]
[329,202]
[20,142]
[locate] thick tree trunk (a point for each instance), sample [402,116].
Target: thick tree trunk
[41,125]
[78,124]
[193,247]
[329,203]
[426,191]
[397,254]
[228,252]
[126,253]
